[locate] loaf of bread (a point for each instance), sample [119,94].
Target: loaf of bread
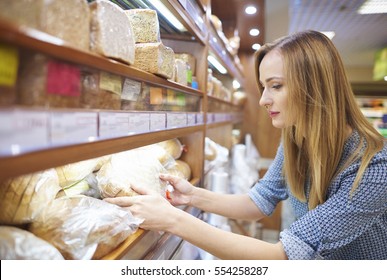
[83,227]
[23,197]
[68,20]
[20,244]
[111,32]
[180,75]
[72,173]
[173,147]
[180,169]
[188,58]
[145,24]
[155,58]
[134,167]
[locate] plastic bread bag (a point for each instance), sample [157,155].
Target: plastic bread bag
[134,167]
[180,169]
[72,173]
[83,227]
[23,197]
[19,244]
[173,147]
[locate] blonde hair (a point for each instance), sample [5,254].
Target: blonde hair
[323,103]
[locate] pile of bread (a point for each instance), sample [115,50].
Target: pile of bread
[59,213]
[102,27]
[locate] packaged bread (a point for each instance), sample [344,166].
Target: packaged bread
[155,58]
[111,32]
[172,147]
[83,227]
[20,244]
[134,167]
[180,169]
[145,25]
[54,17]
[23,197]
[188,58]
[47,82]
[72,173]
[180,74]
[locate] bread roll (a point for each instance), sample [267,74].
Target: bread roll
[180,169]
[72,173]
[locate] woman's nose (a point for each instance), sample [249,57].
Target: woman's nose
[264,101]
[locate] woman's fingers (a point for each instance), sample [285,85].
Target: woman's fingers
[124,201]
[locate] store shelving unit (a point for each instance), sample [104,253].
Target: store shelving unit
[199,115]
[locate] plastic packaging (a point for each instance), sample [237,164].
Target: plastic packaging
[83,227]
[19,244]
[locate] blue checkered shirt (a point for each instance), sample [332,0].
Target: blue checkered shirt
[343,227]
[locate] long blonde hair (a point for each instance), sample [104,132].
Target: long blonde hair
[323,103]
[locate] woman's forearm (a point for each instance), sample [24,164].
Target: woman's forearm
[222,244]
[228,205]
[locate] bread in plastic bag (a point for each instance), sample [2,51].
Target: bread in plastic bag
[83,227]
[72,173]
[172,147]
[23,197]
[134,167]
[19,244]
[180,169]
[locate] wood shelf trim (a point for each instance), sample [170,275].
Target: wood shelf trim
[32,39]
[11,166]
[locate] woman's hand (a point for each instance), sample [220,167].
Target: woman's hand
[182,190]
[150,206]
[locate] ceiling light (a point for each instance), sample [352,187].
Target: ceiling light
[214,62]
[254,32]
[373,7]
[250,10]
[256,46]
[329,34]
[167,14]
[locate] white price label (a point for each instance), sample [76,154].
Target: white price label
[139,122]
[157,121]
[73,127]
[23,130]
[175,120]
[113,124]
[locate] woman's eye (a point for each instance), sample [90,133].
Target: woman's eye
[277,86]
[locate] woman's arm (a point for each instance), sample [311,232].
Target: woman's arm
[159,215]
[227,205]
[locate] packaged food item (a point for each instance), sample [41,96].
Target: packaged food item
[134,167]
[82,227]
[145,24]
[9,66]
[48,82]
[72,173]
[20,244]
[22,198]
[111,31]
[54,17]
[172,147]
[188,58]
[155,58]
[180,169]
[180,73]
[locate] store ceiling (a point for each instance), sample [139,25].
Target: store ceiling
[357,36]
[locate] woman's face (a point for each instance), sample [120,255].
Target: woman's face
[274,97]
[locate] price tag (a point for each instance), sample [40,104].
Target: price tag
[157,121]
[22,130]
[110,82]
[191,119]
[131,90]
[175,120]
[9,62]
[139,122]
[73,127]
[113,124]
[199,118]
[63,79]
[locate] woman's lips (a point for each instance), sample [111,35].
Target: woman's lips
[273,114]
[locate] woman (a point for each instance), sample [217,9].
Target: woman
[332,164]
